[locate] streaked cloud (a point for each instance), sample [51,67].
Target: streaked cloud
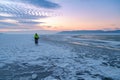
[5,15]
[25,12]
[9,21]
[30,22]
[43,3]
[45,14]
[7,25]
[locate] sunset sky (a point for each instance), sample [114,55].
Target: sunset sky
[59,15]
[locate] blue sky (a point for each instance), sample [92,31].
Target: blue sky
[58,15]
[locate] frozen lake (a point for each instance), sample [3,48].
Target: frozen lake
[60,57]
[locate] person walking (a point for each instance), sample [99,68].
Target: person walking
[36,37]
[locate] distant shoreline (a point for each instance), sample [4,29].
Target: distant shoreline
[91,32]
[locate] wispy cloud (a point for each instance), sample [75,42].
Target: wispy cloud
[5,15]
[25,12]
[42,3]
[9,21]
[7,25]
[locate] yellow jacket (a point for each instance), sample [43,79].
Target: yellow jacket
[36,36]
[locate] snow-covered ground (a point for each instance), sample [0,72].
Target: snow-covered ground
[58,57]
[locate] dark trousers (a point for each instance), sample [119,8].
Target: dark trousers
[36,41]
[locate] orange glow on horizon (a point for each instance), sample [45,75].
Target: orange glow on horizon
[64,24]
[71,23]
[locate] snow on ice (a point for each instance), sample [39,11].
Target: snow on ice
[58,57]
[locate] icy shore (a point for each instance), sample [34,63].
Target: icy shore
[58,57]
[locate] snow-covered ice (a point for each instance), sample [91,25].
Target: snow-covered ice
[58,57]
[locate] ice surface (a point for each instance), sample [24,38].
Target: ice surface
[58,57]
